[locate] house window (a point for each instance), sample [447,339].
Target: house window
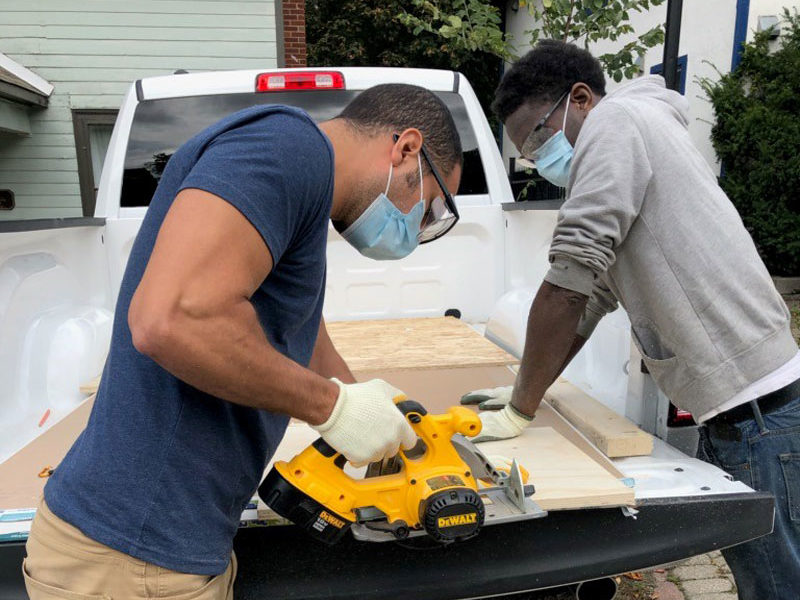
[682,62]
[92,134]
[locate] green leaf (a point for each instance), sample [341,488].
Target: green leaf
[455,21]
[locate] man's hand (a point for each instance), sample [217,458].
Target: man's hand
[502,424]
[365,425]
[489,398]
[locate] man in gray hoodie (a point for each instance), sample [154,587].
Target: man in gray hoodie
[646,225]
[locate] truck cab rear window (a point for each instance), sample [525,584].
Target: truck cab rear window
[161,126]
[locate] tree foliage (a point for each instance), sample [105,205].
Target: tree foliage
[476,25]
[468,25]
[388,33]
[757,138]
[588,21]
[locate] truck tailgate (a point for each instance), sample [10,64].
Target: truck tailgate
[564,547]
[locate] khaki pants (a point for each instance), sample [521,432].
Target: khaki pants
[65,564]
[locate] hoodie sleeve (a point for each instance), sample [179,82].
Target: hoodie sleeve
[601,302]
[609,175]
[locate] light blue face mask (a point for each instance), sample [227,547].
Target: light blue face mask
[554,157]
[383,231]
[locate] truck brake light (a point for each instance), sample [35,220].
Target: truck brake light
[679,418]
[299,80]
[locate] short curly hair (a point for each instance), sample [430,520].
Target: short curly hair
[398,106]
[546,72]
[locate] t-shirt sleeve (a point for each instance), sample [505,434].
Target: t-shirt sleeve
[275,169]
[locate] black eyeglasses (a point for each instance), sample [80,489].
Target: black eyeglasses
[442,214]
[534,140]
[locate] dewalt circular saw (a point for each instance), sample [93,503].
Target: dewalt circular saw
[443,488]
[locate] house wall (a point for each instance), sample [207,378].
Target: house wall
[91,51]
[707,32]
[294,33]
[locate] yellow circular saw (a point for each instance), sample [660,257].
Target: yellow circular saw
[432,489]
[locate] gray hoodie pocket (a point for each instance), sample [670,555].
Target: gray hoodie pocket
[658,358]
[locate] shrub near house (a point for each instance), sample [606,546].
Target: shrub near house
[757,138]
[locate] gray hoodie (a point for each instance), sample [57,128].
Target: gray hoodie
[645,223]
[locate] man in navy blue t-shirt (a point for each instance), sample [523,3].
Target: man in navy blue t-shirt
[219,339]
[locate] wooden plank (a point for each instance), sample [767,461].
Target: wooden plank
[414,344]
[612,433]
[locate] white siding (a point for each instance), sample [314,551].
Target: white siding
[91,51]
[707,30]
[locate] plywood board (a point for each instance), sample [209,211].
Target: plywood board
[568,471]
[414,344]
[565,477]
[612,433]
[438,389]
[21,485]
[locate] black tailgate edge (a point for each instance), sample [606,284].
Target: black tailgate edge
[564,547]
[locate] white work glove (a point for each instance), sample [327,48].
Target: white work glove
[365,425]
[502,424]
[489,398]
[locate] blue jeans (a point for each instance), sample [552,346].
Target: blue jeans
[767,568]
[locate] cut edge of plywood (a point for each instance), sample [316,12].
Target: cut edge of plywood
[612,433]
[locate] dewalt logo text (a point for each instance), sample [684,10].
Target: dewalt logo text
[331,519]
[454,520]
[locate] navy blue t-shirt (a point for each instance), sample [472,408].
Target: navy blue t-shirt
[163,470]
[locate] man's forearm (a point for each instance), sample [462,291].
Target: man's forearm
[326,360]
[577,343]
[550,343]
[227,355]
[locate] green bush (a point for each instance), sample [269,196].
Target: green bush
[757,138]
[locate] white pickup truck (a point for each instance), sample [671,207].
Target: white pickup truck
[58,285]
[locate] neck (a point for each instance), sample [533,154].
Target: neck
[348,147]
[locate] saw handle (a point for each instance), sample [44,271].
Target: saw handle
[409,407]
[328,451]
[461,419]
[464,421]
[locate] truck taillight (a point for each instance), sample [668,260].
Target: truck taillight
[299,80]
[679,418]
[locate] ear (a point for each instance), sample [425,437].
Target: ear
[583,96]
[408,145]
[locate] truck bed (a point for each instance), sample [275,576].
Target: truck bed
[589,532]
